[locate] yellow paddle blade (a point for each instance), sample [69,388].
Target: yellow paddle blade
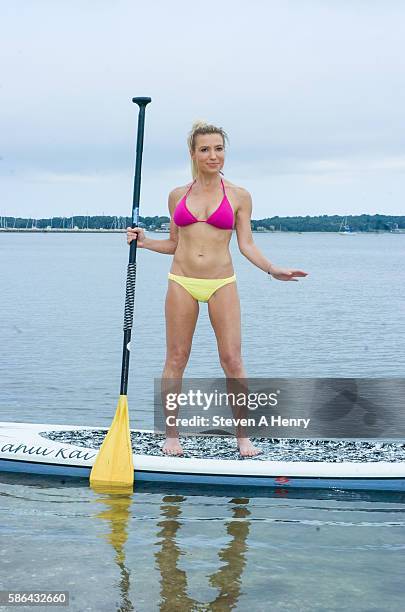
[114,464]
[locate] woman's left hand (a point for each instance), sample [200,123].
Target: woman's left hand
[286,275]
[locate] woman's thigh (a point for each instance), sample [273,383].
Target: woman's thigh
[224,313]
[181,311]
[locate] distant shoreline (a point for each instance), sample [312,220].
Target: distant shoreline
[349,224]
[36,230]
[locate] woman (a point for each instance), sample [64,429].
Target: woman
[203,215]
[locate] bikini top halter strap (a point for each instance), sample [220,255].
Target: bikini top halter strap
[189,189]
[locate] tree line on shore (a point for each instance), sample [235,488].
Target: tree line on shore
[320,223]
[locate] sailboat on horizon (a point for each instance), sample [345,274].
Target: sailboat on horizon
[345,229]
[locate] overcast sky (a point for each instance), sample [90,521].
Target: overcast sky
[311,93]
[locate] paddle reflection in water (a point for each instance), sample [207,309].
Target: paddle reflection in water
[227,580]
[118,501]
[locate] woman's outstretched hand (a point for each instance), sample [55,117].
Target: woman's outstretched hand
[286,275]
[136,232]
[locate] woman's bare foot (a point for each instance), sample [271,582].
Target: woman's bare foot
[172,447]
[246,448]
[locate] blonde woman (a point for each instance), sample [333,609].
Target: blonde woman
[203,215]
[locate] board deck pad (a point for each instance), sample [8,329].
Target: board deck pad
[224,447]
[71,450]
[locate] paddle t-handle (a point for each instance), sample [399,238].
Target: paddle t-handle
[131,270]
[141,102]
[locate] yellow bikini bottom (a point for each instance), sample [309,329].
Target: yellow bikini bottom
[201,289]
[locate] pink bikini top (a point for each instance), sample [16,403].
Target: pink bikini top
[222,217]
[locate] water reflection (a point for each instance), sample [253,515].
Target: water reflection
[173,580]
[118,503]
[227,580]
[148,563]
[174,585]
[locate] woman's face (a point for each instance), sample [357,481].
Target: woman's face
[209,153]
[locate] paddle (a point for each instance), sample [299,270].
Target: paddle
[114,464]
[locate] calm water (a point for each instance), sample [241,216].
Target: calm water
[183,548]
[189,550]
[62,309]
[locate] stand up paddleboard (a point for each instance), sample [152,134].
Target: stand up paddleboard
[66,450]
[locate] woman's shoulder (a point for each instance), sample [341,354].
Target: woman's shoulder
[176,194]
[179,191]
[239,194]
[236,188]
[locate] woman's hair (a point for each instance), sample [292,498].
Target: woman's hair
[202,127]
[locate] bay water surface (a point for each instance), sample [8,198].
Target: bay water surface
[194,548]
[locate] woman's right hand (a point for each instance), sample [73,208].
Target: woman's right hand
[136,232]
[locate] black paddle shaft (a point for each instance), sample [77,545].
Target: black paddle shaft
[131,271]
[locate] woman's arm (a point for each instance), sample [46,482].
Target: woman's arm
[247,246]
[166,247]
[244,233]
